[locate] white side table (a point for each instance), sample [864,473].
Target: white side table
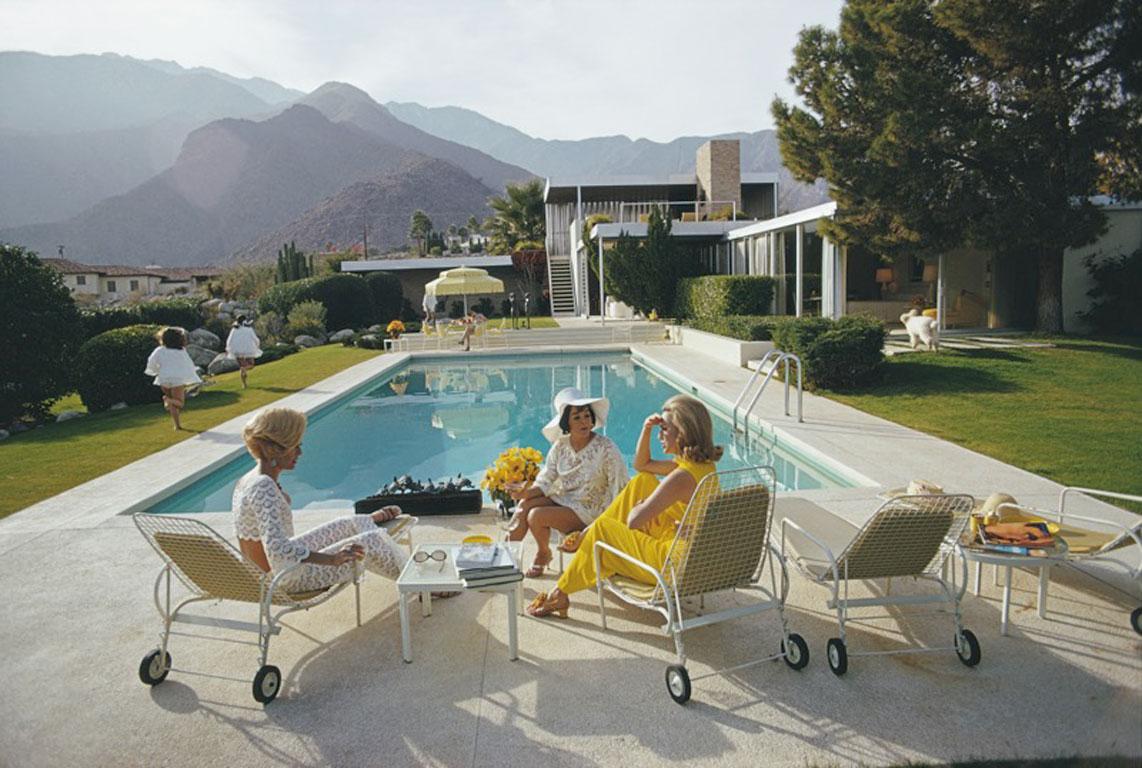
[1009,561]
[435,576]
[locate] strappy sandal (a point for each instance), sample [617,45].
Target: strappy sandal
[538,567]
[571,542]
[543,606]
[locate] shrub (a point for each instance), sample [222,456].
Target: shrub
[388,297]
[109,368]
[407,312]
[184,313]
[837,354]
[270,327]
[370,340]
[743,327]
[435,250]
[218,327]
[457,310]
[715,296]
[646,274]
[347,298]
[308,317]
[1115,308]
[485,307]
[277,352]
[39,333]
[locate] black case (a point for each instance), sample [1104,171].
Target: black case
[419,503]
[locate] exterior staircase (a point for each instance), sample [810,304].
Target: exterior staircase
[561,285]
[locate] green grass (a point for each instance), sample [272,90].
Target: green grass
[38,464]
[1072,413]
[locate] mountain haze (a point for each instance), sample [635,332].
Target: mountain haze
[234,181]
[344,103]
[446,193]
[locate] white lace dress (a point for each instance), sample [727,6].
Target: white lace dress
[585,481]
[262,513]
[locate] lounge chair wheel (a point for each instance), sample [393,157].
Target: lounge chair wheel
[838,656]
[796,651]
[1136,620]
[967,648]
[678,683]
[266,684]
[152,669]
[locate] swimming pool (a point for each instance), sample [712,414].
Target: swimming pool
[436,418]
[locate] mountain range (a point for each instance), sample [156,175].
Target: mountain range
[128,161]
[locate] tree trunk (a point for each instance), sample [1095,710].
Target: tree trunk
[1049,292]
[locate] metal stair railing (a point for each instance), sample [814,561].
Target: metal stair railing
[777,357]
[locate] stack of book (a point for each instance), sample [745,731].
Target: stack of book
[486,565]
[1031,539]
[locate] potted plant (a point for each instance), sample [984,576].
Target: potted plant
[395,328]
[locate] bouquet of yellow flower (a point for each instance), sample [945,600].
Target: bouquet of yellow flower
[395,328]
[513,466]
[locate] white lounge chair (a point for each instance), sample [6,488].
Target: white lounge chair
[907,536]
[722,544]
[211,568]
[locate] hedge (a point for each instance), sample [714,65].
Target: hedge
[277,352]
[742,327]
[109,368]
[184,313]
[837,354]
[347,298]
[388,296]
[714,296]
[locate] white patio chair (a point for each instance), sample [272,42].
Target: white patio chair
[722,544]
[211,568]
[907,536]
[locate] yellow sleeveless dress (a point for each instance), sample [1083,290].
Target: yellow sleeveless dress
[650,547]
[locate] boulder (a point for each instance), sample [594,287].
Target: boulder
[200,355]
[227,307]
[4,434]
[225,317]
[205,338]
[212,304]
[69,415]
[376,329]
[344,333]
[119,407]
[222,364]
[306,341]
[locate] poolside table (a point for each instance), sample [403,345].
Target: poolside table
[435,576]
[1008,561]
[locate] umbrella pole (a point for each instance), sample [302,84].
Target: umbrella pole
[465,303]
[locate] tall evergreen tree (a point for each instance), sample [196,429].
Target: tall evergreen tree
[420,228]
[988,122]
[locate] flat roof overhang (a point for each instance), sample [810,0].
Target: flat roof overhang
[437,263]
[712,230]
[682,186]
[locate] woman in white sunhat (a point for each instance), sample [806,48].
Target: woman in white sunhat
[583,471]
[244,346]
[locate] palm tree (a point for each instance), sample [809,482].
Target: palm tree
[517,216]
[420,227]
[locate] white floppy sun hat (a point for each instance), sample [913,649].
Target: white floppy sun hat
[573,396]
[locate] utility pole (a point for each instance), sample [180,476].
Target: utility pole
[366,238]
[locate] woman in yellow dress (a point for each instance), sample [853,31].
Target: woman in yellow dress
[644,517]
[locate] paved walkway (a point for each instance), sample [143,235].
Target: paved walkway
[78,615]
[897,342]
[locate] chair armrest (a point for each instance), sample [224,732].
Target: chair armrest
[786,522]
[633,560]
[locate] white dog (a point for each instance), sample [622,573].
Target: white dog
[921,329]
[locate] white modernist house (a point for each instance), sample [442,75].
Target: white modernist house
[967,288]
[107,283]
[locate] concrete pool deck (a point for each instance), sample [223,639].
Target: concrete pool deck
[78,617]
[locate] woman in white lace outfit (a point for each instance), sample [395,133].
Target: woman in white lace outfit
[582,472]
[263,517]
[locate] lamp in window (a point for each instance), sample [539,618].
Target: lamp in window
[884,277]
[931,274]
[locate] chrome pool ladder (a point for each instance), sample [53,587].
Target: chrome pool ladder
[776,358]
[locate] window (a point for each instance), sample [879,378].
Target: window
[111,287]
[81,279]
[134,285]
[916,270]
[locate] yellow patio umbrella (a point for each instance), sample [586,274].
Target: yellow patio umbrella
[465,281]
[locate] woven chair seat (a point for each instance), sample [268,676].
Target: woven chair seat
[637,590]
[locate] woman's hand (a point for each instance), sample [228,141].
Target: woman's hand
[652,421]
[517,491]
[348,554]
[384,514]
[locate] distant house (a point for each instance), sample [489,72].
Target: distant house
[109,283]
[813,276]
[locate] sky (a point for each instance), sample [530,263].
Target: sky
[555,69]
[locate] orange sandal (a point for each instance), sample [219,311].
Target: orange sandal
[543,606]
[571,542]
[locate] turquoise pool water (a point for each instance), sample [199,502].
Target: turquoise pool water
[433,419]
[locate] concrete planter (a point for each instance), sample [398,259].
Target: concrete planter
[722,348]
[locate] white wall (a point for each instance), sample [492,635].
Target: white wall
[1123,237]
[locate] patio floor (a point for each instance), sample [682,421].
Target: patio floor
[78,616]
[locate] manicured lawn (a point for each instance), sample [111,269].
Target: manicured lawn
[1072,413]
[38,464]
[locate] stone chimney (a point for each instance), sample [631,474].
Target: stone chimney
[720,173]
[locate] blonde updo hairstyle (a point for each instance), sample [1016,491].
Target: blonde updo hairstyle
[695,429]
[273,433]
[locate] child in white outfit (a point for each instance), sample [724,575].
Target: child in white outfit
[244,346]
[173,370]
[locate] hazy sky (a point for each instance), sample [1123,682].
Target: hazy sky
[557,69]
